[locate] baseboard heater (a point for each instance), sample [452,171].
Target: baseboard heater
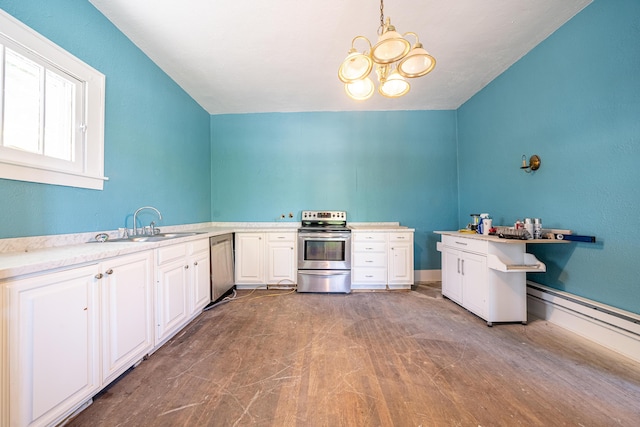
[616,329]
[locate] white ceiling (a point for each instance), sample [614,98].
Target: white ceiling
[245,56]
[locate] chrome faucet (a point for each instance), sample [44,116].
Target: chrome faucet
[135,216]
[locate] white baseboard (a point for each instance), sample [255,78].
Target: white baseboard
[427,275]
[615,329]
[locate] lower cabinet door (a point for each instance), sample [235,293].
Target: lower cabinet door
[127,312]
[401,265]
[249,260]
[281,264]
[200,281]
[451,277]
[53,356]
[172,299]
[474,283]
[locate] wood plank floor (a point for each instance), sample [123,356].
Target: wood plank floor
[369,359]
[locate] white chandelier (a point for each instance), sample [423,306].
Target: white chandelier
[395,59]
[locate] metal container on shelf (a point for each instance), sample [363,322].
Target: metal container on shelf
[537,228]
[528,225]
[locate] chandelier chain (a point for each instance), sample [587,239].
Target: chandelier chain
[381,13]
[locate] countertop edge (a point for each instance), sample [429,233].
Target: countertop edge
[497,239]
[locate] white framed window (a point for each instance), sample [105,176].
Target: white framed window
[51,111]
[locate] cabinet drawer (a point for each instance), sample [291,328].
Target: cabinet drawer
[281,237]
[465,244]
[374,259]
[369,237]
[369,275]
[369,247]
[400,237]
[171,253]
[199,246]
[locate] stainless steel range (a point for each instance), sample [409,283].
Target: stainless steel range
[324,252]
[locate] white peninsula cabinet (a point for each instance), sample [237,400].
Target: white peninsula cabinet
[487,275]
[182,286]
[67,334]
[265,258]
[382,259]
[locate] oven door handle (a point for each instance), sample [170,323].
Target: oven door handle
[324,272]
[323,236]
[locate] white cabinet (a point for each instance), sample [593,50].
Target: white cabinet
[487,276]
[200,267]
[281,258]
[53,356]
[172,293]
[265,259]
[451,274]
[65,335]
[127,312]
[249,259]
[382,259]
[369,260]
[58,327]
[182,285]
[464,280]
[400,260]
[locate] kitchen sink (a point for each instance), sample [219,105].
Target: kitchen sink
[155,238]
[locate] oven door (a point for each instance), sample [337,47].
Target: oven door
[324,250]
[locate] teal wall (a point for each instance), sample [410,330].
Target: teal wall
[156,137]
[378,166]
[575,101]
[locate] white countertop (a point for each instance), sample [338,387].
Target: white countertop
[24,256]
[497,239]
[378,226]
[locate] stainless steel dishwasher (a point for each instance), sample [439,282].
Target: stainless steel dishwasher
[221,265]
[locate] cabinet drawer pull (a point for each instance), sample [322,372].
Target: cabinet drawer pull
[99,276]
[462,269]
[186,267]
[109,271]
[461,243]
[195,262]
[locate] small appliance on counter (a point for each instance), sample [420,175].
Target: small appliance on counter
[475,220]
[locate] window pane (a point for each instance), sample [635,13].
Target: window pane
[22,95]
[59,117]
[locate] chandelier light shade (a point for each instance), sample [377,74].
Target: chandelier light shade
[356,66]
[393,86]
[417,62]
[360,89]
[391,46]
[395,59]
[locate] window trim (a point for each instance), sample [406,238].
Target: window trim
[92,175]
